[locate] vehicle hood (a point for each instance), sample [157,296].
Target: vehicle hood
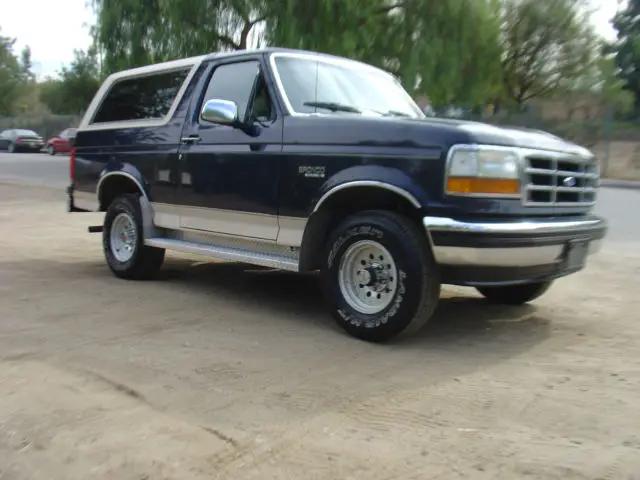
[484,133]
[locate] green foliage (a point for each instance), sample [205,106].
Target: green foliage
[78,83]
[132,33]
[546,44]
[469,52]
[14,75]
[447,50]
[627,48]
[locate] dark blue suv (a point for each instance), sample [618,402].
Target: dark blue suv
[303,161]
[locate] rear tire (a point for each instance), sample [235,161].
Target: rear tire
[515,294]
[379,276]
[123,243]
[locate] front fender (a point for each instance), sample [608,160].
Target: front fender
[375,176]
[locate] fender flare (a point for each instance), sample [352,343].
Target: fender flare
[375,176]
[124,170]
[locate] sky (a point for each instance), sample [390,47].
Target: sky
[53,29]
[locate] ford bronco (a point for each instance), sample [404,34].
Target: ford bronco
[308,162]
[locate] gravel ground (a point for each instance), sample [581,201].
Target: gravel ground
[222,371]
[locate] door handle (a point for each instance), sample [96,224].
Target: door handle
[191,139]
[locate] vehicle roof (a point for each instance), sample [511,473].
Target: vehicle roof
[189,61]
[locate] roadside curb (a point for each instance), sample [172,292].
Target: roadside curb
[612,183]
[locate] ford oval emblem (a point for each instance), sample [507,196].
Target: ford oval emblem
[569,182]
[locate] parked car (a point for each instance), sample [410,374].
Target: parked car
[17,140]
[60,143]
[307,162]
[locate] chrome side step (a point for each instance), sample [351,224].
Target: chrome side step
[228,253]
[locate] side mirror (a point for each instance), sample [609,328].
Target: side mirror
[219,111]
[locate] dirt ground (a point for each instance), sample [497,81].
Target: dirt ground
[219,371]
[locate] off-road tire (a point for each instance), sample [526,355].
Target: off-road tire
[417,293]
[145,261]
[515,294]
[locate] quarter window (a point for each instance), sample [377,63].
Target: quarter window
[141,98]
[234,82]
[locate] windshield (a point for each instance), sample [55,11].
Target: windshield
[314,85]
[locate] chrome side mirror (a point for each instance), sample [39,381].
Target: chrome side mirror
[219,111]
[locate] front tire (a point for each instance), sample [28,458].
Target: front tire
[379,276]
[123,243]
[515,294]
[51,150]
[11,148]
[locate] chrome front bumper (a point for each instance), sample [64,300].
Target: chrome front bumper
[513,251]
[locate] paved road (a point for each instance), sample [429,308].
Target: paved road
[620,206]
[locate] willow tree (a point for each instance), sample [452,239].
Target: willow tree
[447,50]
[131,33]
[546,45]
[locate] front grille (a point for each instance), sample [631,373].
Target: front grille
[560,180]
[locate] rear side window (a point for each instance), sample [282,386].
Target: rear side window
[141,98]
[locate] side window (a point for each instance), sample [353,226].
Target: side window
[262,105]
[141,98]
[234,81]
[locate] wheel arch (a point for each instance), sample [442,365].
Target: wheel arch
[348,198]
[117,182]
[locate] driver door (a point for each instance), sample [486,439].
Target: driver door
[228,178]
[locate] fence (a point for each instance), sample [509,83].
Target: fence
[616,143]
[45,125]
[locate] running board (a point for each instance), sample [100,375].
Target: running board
[231,254]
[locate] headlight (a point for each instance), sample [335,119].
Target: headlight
[480,171]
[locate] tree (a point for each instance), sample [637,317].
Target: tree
[26,64]
[132,33]
[545,43]
[425,43]
[13,76]
[448,50]
[627,48]
[78,83]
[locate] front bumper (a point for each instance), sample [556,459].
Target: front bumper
[499,252]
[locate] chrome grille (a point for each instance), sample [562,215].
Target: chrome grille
[563,181]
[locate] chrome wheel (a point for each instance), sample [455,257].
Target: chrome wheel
[123,237]
[368,277]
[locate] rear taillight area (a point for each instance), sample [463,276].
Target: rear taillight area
[72,165]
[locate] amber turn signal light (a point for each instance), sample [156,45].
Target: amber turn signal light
[493,186]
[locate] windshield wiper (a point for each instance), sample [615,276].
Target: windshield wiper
[395,113]
[333,106]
